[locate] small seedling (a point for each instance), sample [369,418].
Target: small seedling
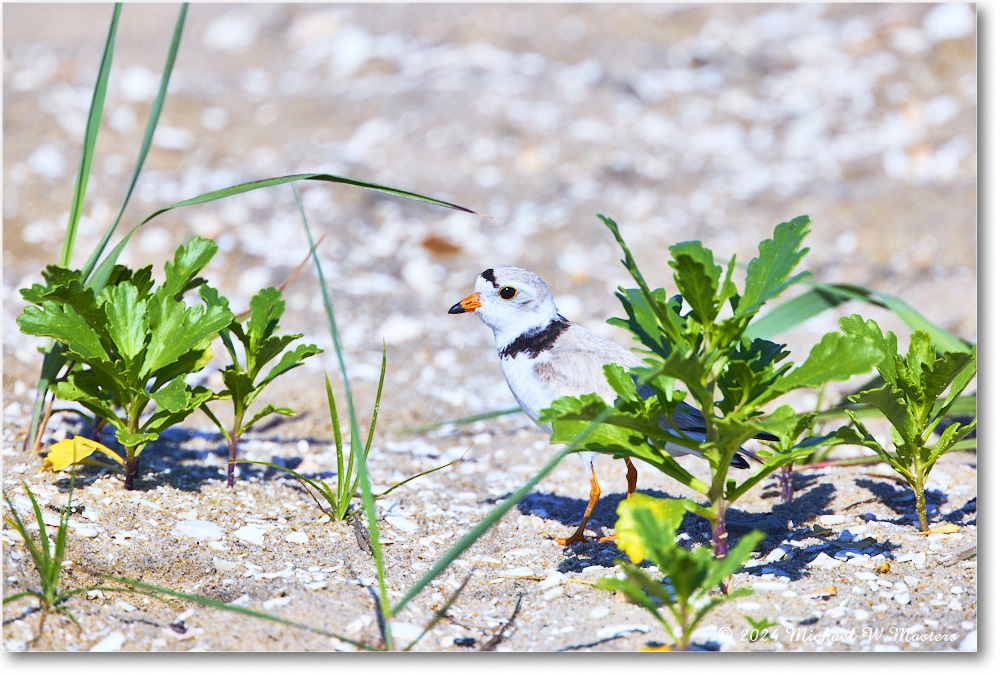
[261,345]
[760,629]
[47,557]
[338,501]
[647,530]
[730,377]
[138,344]
[911,400]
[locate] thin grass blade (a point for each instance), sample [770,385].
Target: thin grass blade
[147,139]
[492,517]
[822,297]
[460,421]
[215,604]
[104,269]
[90,139]
[357,453]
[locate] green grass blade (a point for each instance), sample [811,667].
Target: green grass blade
[43,535]
[215,604]
[493,516]
[18,525]
[22,594]
[822,297]
[90,139]
[147,139]
[942,339]
[791,313]
[378,401]
[104,269]
[357,453]
[416,476]
[344,493]
[461,420]
[54,359]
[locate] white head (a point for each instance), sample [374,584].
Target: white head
[511,301]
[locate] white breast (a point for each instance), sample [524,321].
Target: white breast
[531,393]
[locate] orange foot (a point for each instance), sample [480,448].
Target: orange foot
[579,537]
[575,538]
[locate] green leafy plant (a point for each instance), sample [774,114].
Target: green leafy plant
[909,399]
[97,271]
[47,557]
[136,344]
[647,530]
[260,345]
[730,377]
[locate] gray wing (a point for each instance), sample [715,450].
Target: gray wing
[576,368]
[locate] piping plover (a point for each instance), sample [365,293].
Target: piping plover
[545,356]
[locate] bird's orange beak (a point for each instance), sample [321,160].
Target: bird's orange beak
[469,304]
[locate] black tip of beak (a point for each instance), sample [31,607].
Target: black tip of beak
[457,309]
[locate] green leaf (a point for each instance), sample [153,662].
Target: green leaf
[835,357]
[868,330]
[164,418]
[83,387]
[697,277]
[642,319]
[290,360]
[266,309]
[768,273]
[737,556]
[189,259]
[177,329]
[891,402]
[127,323]
[958,385]
[264,412]
[942,371]
[64,325]
[173,397]
[239,385]
[130,440]
[954,433]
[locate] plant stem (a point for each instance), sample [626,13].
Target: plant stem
[37,445]
[234,438]
[131,467]
[231,470]
[918,491]
[787,484]
[720,538]
[132,451]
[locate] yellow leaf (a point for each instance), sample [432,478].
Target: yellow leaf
[944,528]
[73,451]
[883,568]
[656,648]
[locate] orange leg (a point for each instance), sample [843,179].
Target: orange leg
[632,476]
[595,493]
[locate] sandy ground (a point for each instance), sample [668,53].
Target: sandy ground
[681,122]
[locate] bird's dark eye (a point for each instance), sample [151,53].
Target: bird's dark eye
[508,292]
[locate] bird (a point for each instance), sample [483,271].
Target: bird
[545,356]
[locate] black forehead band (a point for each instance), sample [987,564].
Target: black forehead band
[488,275]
